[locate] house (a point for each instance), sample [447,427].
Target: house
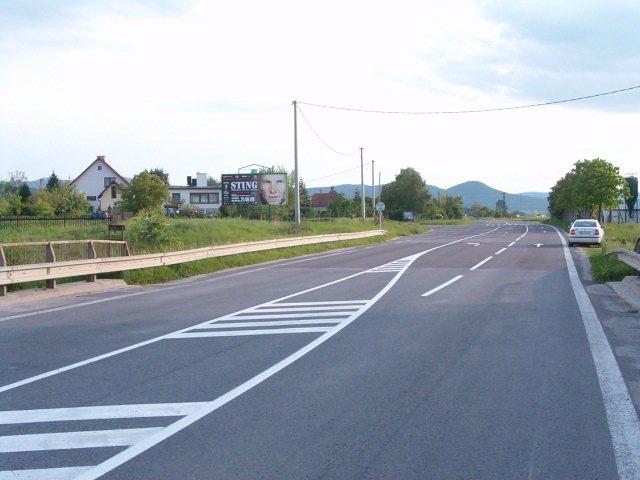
[109,198]
[196,193]
[320,201]
[96,179]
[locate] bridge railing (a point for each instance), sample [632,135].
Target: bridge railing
[52,269]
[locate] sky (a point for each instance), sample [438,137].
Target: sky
[201,86]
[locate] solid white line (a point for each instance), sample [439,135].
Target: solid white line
[282,315]
[440,287]
[512,244]
[61,473]
[99,412]
[274,309]
[67,440]
[273,324]
[157,339]
[500,251]
[245,333]
[481,263]
[175,427]
[621,413]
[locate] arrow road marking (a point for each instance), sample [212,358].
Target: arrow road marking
[474,244]
[538,245]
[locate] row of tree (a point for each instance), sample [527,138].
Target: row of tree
[590,187]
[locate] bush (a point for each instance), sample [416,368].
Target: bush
[151,227]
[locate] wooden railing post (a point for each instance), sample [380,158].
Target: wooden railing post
[3,263]
[91,253]
[50,256]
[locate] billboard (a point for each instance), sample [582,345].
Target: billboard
[254,189]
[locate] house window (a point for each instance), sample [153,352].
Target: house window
[99,167]
[175,198]
[109,180]
[204,198]
[114,191]
[91,198]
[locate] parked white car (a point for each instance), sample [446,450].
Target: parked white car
[586,231]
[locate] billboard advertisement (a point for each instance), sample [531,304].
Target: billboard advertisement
[254,189]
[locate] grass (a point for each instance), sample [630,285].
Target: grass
[604,267]
[193,233]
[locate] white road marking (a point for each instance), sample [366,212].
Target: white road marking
[538,245]
[99,412]
[97,358]
[335,302]
[67,440]
[243,333]
[481,263]
[440,287]
[512,244]
[273,309]
[621,413]
[276,323]
[61,473]
[275,316]
[473,243]
[500,251]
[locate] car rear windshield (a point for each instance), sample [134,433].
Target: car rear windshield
[584,223]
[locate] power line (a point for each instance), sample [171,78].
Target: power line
[483,110]
[339,173]
[321,139]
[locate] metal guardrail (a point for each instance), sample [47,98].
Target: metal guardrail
[627,256]
[50,271]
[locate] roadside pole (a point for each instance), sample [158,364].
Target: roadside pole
[295,157]
[373,186]
[362,184]
[380,193]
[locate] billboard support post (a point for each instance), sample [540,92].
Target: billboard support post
[295,158]
[362,184]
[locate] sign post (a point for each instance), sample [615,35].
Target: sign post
[380,208]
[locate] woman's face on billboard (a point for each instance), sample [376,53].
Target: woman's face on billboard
[273,188]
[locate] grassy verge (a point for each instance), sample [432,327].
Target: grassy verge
[194,233]
[604,267]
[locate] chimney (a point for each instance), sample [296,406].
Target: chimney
[188,180]
[100,157]
[332,189]
[201,179]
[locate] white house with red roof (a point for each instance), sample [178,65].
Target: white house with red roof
[95,180]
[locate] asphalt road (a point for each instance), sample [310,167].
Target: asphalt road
[467,352]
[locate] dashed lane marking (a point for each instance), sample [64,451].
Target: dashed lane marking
[440,287]
[478,265]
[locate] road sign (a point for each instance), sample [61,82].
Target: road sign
[379,207]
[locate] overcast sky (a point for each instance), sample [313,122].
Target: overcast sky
[207,86]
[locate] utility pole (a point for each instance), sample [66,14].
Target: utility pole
[373,188]
[295,157]
[380,193]
[362,184]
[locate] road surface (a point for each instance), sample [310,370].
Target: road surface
[466,352]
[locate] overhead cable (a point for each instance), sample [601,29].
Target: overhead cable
[366,165]
[321,139]
[482,110]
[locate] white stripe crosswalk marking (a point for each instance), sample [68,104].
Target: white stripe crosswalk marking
[273,324]
[62,473]
[99,412]
[67,440]
[301,304]
[241,333]
[282,315]
[273,309]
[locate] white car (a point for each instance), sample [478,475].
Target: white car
[586,231]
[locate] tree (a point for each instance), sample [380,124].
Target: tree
[53,182]
[305,200]
[339,206]
[66,200]
[10,204]
[212,182]
[24,192]
[407,193]
[145,192]
[16,179]
[160,173]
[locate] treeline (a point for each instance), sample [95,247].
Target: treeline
[590,187]
[57,198]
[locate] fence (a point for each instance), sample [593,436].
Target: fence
[52,269]
[14,255]
[9,222]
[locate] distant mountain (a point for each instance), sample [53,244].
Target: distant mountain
[35,184]
[471,192]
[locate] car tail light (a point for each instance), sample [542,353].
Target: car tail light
[572,232]
[596,232]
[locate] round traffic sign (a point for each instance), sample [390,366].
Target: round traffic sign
[379,207]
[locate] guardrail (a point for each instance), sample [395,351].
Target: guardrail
[13,274]
[627,256]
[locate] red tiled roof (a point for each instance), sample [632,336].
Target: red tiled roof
[322,199]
